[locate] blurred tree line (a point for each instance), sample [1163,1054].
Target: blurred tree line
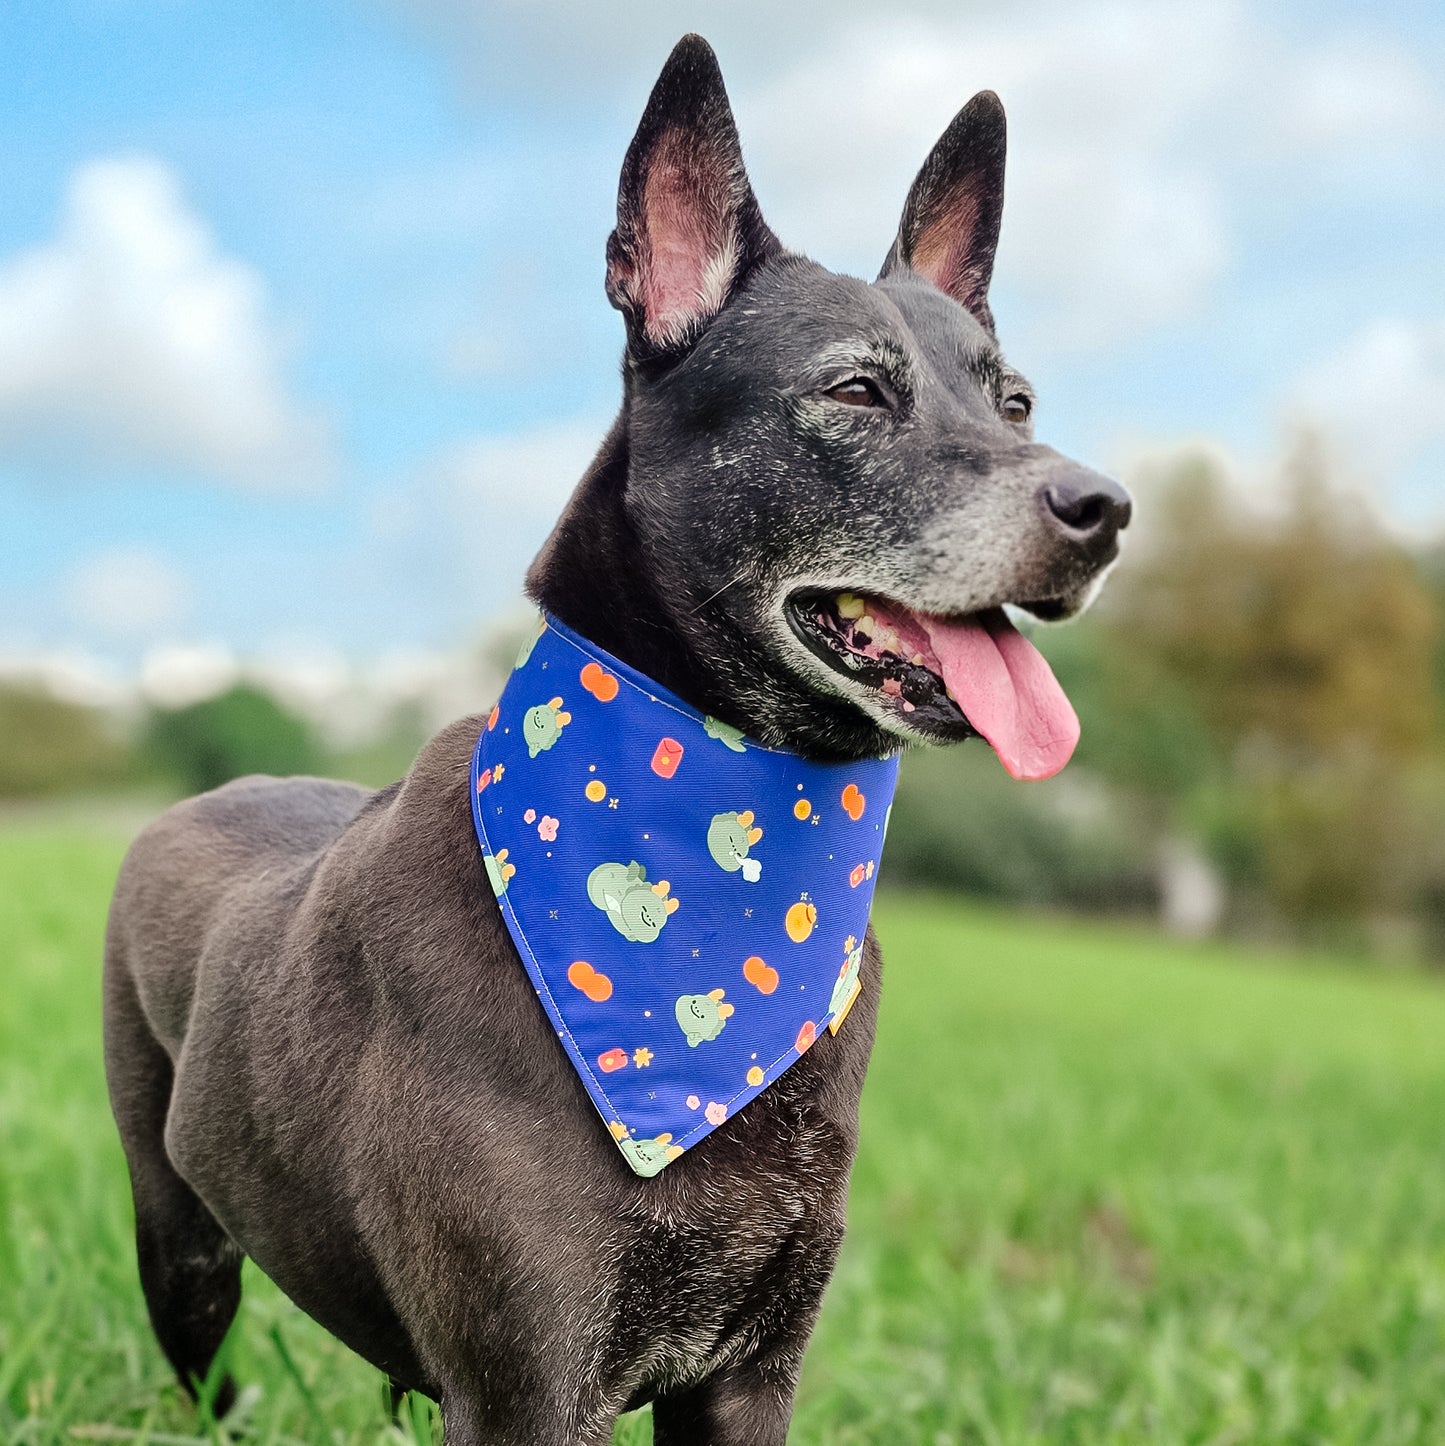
[50,747]
[1260,688]
[1263,752]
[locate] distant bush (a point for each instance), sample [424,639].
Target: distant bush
[960,822]
[1266,683]
[240,731]
[49,746]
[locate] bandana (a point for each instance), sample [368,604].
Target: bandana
[689,905]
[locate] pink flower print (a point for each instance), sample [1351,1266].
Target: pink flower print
[547,829]
[530,816]
[715,1112]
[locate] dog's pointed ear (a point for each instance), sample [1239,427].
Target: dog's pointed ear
[951,219]
[688,226]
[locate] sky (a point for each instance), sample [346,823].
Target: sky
[303,341]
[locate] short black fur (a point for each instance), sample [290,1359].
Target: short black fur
[322,1049]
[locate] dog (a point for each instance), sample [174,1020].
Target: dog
[321,1048]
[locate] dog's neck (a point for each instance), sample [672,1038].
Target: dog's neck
[669,840]
[593,574]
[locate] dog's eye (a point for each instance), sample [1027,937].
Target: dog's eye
[1017,409]
[859,392]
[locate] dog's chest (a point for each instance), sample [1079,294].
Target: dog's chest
[688,905]
[727,1269]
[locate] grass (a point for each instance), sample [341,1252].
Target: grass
[1111,1189]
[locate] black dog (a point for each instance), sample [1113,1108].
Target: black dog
[322,1049]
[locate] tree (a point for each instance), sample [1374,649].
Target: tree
[50,746]
[240,731]
[1294,649]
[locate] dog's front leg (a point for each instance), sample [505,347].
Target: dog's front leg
[747,1404]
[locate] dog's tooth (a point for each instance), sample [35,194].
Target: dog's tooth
[866,624]
[850,606]
[918,660]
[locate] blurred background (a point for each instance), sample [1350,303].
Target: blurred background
[303,345]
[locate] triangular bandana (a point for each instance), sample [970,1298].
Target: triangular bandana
[690,906]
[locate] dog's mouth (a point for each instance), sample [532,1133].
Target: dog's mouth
[947,677]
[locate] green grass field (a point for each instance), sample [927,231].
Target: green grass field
[1111,1190]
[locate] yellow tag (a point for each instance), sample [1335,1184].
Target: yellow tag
[836,1023]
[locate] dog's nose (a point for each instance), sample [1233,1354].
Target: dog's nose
[1087,507]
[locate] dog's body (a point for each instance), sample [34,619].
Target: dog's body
[368,1098]
[322,1048]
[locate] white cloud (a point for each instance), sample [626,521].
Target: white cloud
[352,702]
[527,474]
[130,340]
[1131,127]
[1356,90]
[1141,131]
[69,673]
[1381,396]
[474,516]
[127,594]
[177,675]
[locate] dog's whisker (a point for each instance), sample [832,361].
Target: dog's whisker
[717,594]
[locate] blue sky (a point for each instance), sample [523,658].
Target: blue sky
[302,334]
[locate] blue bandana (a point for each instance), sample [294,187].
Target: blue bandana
[690,905]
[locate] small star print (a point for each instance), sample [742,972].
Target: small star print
[697,954]
[747,913]
[642,1057]
[611,803]
[551,913]
[814,819]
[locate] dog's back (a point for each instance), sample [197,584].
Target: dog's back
[187,867]
[314,980]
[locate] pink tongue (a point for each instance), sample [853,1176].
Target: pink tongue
[1006,691]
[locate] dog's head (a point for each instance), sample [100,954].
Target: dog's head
[834,484]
